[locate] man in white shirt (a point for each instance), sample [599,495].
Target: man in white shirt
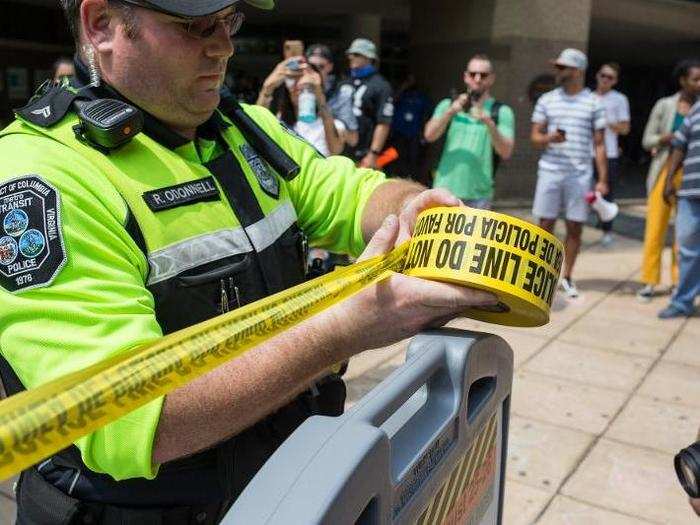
[617,116]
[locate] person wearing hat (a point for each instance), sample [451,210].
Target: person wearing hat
[372,100]
[568,123]
[112,238]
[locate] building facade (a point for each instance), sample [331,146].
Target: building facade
[432,40]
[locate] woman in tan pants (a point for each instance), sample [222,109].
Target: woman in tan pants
[666,117]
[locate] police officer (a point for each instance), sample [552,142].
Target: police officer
[107,247]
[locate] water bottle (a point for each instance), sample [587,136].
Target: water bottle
[307,104]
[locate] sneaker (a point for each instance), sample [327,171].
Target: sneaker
[646,293]
[569,288]
[672,312]
[607,239]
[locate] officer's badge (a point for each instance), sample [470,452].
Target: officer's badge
[32,252]
[267,180]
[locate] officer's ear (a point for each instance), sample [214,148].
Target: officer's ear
[97,23]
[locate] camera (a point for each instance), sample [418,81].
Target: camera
[687,464]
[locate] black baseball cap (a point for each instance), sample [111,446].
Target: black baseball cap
[188,8]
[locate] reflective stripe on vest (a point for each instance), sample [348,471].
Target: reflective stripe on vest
[188,254]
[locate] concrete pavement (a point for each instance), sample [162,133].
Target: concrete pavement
[603,397]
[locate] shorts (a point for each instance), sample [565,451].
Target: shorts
[557,193]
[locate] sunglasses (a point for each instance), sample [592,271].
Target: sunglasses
[474,74]
[200,26]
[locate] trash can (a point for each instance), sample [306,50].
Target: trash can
[426,446]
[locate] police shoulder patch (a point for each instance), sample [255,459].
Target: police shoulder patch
[268,182]
[32,252]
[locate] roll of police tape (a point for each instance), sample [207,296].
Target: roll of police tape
[516,260]
[510,257]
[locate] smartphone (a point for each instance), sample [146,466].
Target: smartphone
[562,132]
[293,48]
[294,65]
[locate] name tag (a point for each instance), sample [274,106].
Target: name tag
[190,192]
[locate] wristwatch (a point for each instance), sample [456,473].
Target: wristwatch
[375,152]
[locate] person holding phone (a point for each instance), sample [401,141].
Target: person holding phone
[280,94]
[480,133]
[275,93]
[568,123]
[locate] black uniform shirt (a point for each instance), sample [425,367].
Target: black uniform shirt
[373,104]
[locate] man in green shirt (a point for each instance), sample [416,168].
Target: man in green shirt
[480,132]
[105,249]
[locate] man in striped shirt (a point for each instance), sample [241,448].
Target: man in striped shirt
[567,123]
[686,150]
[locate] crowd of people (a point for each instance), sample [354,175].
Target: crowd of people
[190,222]
[576,128]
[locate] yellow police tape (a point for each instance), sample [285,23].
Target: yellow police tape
[510,257]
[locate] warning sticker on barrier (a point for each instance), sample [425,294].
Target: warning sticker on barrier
[466,495]
[486,250]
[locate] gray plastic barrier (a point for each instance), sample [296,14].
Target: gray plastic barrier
[426,446]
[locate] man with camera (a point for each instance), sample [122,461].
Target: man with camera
[568,123]
[480,133]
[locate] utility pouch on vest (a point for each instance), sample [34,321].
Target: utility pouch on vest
[40,503]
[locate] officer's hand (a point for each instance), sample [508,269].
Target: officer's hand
[422,201]
[398,307]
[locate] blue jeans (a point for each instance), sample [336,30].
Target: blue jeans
[688,237]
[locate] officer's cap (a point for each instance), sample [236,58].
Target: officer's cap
[188,8]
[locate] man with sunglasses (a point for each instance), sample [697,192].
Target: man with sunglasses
[617,115]
[104,249]
[480,132]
